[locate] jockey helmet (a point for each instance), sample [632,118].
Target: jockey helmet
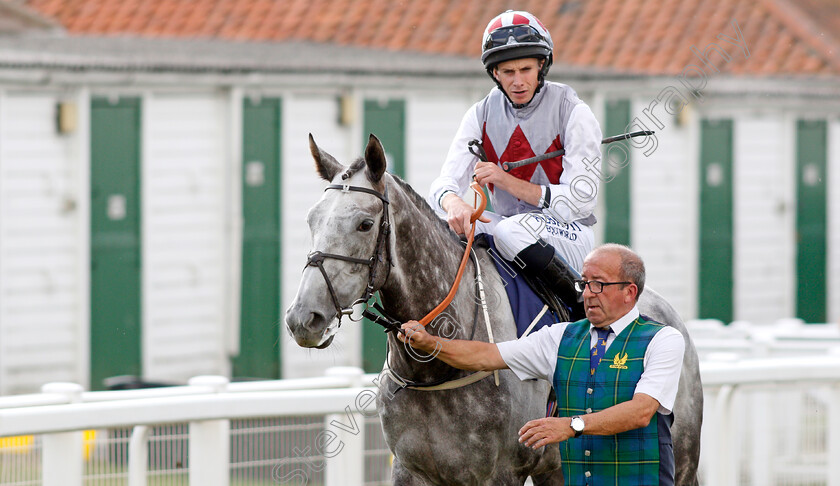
[516,35]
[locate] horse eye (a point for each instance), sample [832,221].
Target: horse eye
[366,225]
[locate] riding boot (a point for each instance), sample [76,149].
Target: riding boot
[542,262]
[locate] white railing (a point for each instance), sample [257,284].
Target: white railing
[208,404]
[772,416]
[742,339]
[756,421]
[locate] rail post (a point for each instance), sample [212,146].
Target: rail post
[138,455]
[210,442]
[63,452]
[345,458]
[834,437]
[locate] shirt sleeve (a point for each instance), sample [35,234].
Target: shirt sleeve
[534,356]
[576,194]
[663,364]
[456,174]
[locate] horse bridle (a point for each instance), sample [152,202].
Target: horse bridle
[316,258]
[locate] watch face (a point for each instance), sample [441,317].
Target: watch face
[577,424]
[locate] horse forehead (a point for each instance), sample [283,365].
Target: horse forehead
[337,208]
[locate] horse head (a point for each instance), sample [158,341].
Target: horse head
[350,239]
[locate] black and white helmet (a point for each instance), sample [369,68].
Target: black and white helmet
[516,35]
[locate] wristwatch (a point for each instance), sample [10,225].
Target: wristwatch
[577,425]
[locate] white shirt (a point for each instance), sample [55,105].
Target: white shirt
[555,114]
[535,356]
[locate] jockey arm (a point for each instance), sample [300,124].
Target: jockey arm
[461,354]
[492,173]
[460,167]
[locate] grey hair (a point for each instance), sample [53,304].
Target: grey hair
[632,267]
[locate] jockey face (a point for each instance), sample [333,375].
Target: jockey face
[519,78]
[614,300]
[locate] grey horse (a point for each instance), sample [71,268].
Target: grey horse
[467,435]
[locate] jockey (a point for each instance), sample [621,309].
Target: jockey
[542,217]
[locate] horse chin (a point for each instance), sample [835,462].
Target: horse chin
[329,335]
[313,341]
[325,343]
[306,334]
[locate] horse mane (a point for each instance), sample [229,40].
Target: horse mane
[423,205]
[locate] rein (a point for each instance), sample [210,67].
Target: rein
[448,299]
[316,259]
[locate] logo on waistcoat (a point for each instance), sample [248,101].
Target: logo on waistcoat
[619,361]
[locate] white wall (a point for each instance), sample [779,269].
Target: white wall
[432,121]
[833,170]
[183,216]
[764,236]
[40,288]
[301,189]
[664,209]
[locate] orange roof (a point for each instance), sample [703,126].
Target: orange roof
[646,37]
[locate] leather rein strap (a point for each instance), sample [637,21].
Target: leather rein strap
[473,221]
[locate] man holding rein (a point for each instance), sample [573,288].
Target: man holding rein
[616,375]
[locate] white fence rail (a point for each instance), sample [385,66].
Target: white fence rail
[760,414]
[772,417]
[208,405]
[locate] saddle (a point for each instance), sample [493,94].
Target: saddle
[527,294]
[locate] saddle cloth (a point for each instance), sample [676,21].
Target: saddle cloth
[525,303]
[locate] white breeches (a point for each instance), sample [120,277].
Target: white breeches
[573,241]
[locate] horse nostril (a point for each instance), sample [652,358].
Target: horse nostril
[315,322]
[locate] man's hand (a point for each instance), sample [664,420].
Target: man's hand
[417,337]
[458,214]
[545,431]
[462,354]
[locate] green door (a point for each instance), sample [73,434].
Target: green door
[811,231]
[615,175]
[259,338]
[386,120]
[115,239]
[715,265]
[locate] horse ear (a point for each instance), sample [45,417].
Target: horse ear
[326,165]
[375,159]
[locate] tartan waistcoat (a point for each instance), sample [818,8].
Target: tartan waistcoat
[625,459]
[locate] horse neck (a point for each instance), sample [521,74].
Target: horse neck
[425,257]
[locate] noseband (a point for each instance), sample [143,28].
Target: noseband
[316,258]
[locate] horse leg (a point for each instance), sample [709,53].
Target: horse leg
[400,476]
[554,478]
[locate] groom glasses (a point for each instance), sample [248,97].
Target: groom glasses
[595,286]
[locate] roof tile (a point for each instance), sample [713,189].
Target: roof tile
[631,35]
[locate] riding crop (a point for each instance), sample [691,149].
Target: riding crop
[508,166]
